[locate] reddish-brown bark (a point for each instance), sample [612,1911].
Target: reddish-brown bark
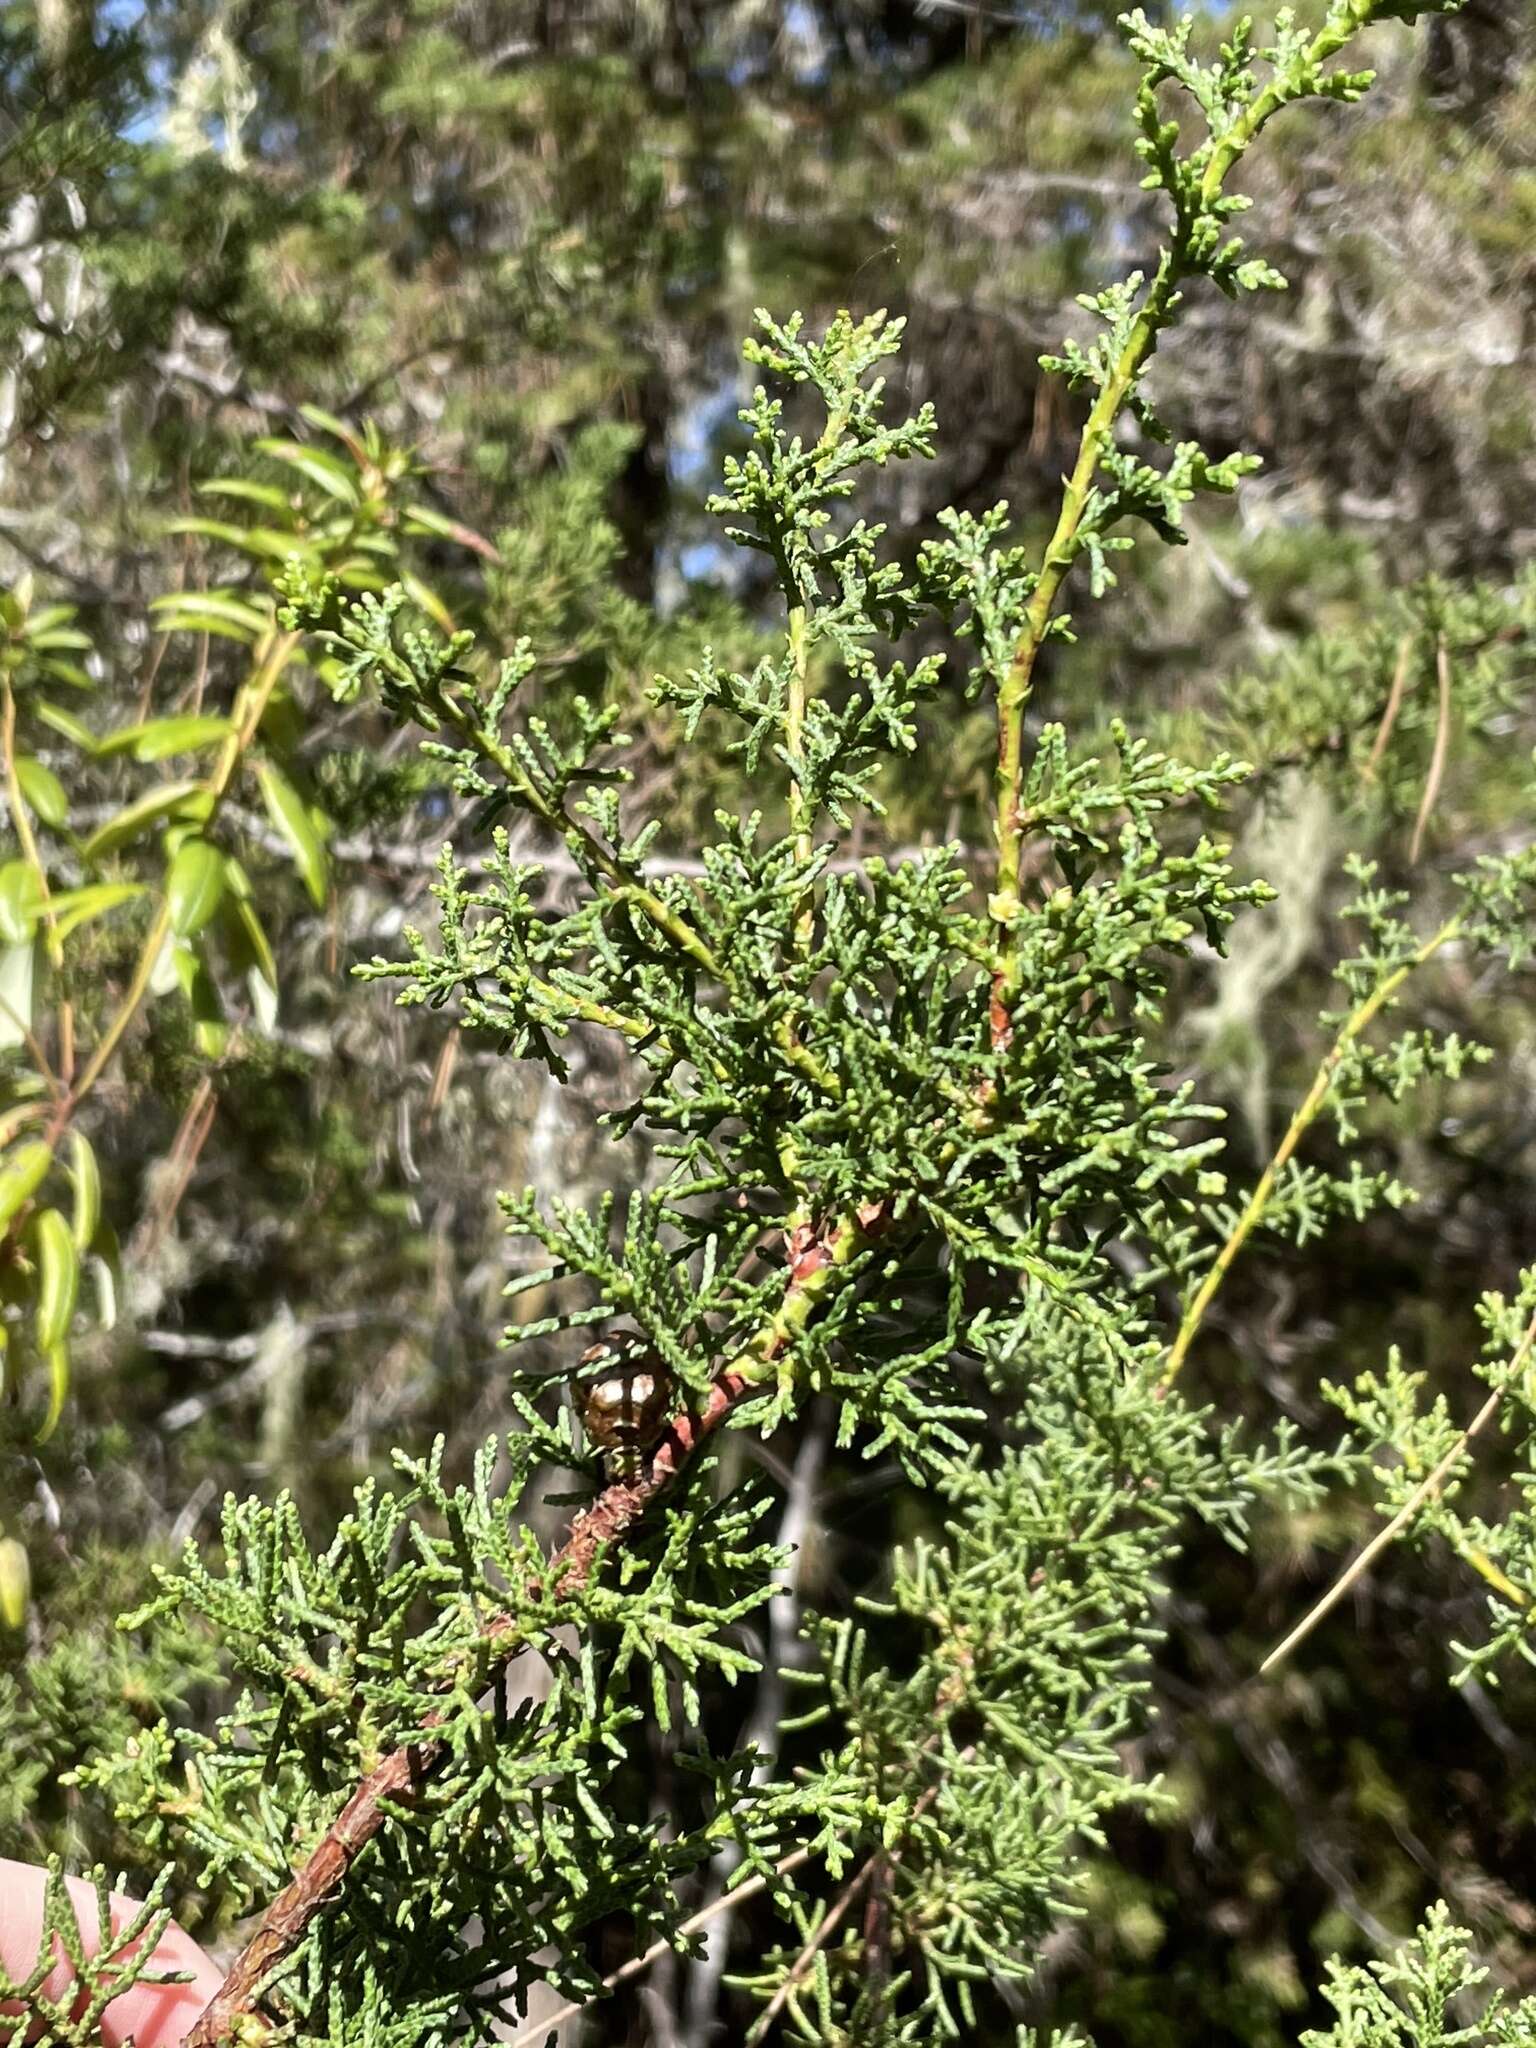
[403,1775]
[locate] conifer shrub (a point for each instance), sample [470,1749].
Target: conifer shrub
[919,1163]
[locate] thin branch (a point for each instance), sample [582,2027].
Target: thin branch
[1441,748]
[1141,338]
[179,1164]
[800,1501]
[876,1869]
[253,699]
[27,841]
[405,1774]
[626,884]
[626,1973]
[801,1967]
[1311,1106]
[1427,1489]
[1393,706]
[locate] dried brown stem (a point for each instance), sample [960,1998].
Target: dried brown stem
[536,2035]
[1394,705]
[874,1876]
[1438,754]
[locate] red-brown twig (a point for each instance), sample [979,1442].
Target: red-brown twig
[800,1969]
[873,1877]
[403,1775]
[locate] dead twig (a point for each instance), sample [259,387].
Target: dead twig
[1440,750]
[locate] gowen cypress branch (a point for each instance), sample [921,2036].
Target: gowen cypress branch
[403,1776]
[1199,230]
[875,1870]
[536,2035]
[818,1255]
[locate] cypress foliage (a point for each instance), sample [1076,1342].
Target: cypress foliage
[917,1159]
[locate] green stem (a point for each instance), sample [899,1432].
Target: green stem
[1175,261]
[1306,1115]
[581,842]
[624,887]
[273,656]
[1015,689]
[1429,1488]
[794,747]
[127,1009]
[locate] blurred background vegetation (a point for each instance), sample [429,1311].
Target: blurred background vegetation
[525,240]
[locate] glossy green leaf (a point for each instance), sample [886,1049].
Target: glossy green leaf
[328,423]
[269,495]
[163,976]
[58,1278]
[66,672]
[46,617]
[248,939]
[210,611]
[17,968]
[13,1119]
[21,901]
[265,542]
[263,995]
[56,1358]
[22,1175]
[325,471]
[423,519]
[85,1175]
[194,886]
[42,789]
[66,723]
[426,597]
[15,1583]
[161,737]
[290,815]
[210,1029]
[138,817]
[104,1282]
[75,907]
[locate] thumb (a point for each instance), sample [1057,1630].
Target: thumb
[156,2015]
